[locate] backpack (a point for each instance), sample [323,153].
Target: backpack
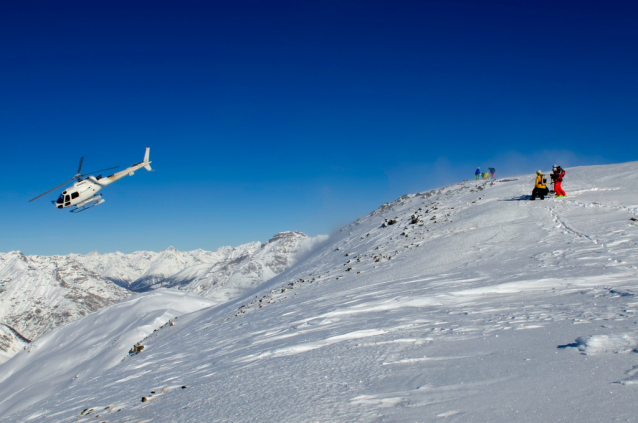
[559,176]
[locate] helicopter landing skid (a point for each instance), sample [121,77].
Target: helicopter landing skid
[86,207]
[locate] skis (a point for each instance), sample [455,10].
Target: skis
[86,207]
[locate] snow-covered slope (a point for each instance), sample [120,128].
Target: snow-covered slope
[476,305]
[82,349]
[39,293]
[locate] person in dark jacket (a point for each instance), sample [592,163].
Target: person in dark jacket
[540,187]
[492,171]
[478,172]
[557,176]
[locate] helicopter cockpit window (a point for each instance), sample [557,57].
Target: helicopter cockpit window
[60,199]
[74,195]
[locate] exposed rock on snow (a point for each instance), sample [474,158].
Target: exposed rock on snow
[11,342]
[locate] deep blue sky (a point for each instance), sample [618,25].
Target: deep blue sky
[300,115]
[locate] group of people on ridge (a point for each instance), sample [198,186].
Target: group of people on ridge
[485,175]
[540,187]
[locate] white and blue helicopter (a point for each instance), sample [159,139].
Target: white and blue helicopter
[82,195]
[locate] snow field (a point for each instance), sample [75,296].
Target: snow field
[80,349]
[497,309]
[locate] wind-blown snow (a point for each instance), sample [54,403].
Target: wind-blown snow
[488,307]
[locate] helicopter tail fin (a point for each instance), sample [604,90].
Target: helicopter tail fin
[147,163]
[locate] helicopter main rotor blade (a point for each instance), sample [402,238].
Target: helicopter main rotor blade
[80,167]
[102,170]
[61,185]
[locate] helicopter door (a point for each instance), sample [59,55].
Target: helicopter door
[67,200]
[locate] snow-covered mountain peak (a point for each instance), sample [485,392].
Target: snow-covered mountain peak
[288,235]
[13,255]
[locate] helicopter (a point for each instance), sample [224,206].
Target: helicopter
[82,195]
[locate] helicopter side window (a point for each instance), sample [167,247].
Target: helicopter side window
[74,195]
[67,198]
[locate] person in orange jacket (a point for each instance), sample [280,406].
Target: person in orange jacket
[540,187]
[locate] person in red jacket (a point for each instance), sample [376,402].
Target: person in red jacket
[557,176]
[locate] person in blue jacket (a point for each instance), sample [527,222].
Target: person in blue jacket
[478,172]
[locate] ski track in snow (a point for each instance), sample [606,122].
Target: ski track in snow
[497,309]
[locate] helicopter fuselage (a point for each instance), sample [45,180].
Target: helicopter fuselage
[79,192]
[84,191]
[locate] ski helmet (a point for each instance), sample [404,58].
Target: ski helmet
[538,172]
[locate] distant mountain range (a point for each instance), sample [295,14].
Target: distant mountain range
[38,293]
